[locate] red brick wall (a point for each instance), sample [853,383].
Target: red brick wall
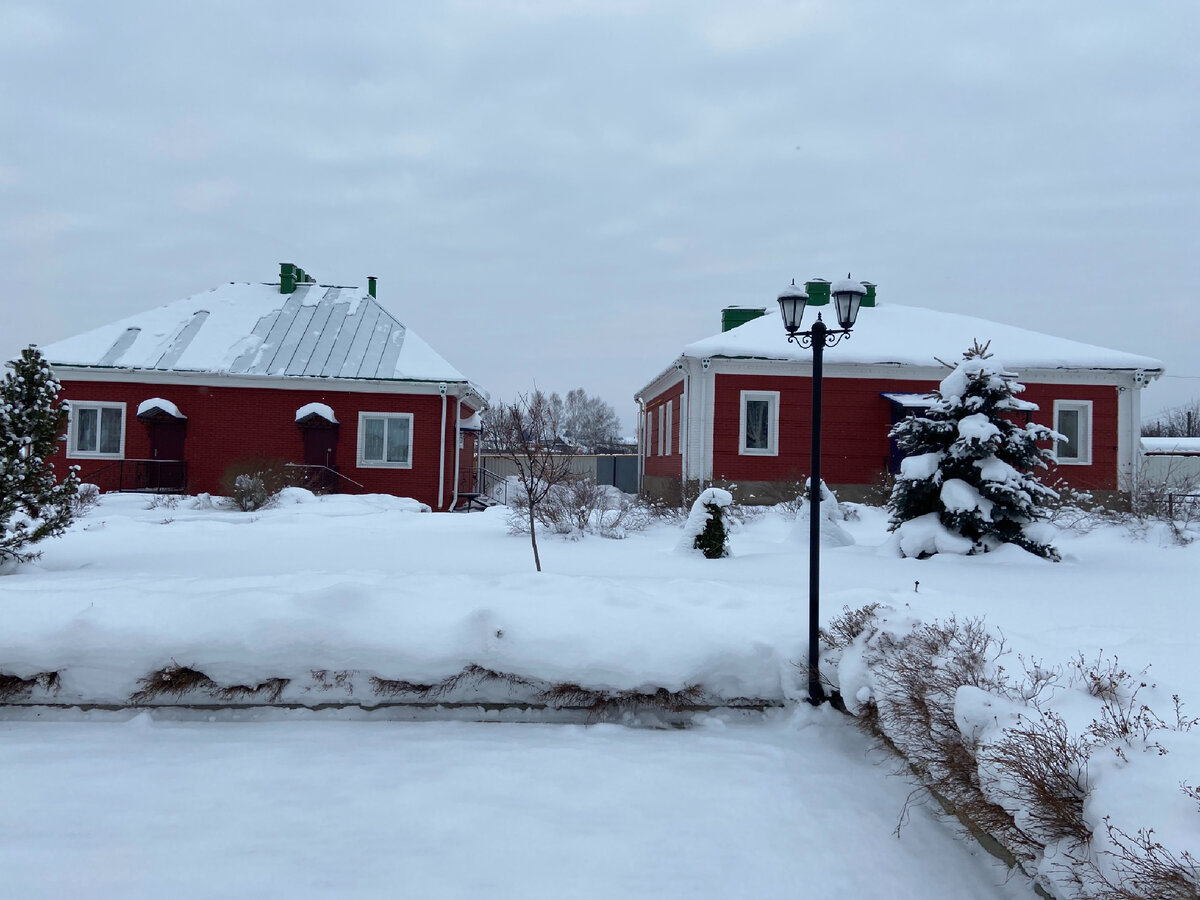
[664,465]
[226,424]
[855,425]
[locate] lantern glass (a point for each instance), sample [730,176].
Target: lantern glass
[847,298]
[791,308]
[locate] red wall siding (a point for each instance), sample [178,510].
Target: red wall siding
[669,466]
[855,425]
[226,424]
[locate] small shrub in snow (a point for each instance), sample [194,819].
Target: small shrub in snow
[832,534]
[966,484]
[250,493]
[705,527]
[85,499]
[202,501]
[164,501]
[253,484]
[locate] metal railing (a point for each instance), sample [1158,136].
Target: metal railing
[319,479]
[160,476]
[490,484]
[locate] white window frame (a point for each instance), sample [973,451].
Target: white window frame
[670,423]
[772,448]
[1084,408]
[364,463]
[661,414]
[76,406]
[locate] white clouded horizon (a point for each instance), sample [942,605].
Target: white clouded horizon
[568,193]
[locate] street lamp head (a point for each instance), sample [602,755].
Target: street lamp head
[847,297]
[791,306]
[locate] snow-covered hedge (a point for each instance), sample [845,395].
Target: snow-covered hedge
[1070,769]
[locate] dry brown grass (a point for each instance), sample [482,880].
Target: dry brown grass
[605,705]
[269,690]
[1047,777]
[172,681]
[14,688]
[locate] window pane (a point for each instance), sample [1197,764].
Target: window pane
[85,429]
[110,430]
[757,412]
[397,440]
[373,440]
[1068,426]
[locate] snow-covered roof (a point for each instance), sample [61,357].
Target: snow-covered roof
[910,401]
[910,335]
[1171,446]
[253,329]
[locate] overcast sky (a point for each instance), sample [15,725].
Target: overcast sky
[566,193]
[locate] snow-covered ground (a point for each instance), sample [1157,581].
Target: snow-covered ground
[303,808]
[371,587]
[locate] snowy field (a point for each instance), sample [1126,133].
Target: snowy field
[301,809]
[306,805]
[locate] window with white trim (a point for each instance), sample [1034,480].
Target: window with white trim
[670,425]
[96,430]
[1073,420]
[385,440]
[759,426]
[661,414]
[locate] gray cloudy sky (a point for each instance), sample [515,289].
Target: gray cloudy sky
[567,193]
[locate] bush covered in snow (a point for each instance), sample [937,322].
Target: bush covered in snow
[34,505]
[967,482]
[1033,758]
[576,507]
[705,529]
[253,484]
[831,531]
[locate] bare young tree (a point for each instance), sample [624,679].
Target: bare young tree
[526,433]
[588,422]
[1177,421]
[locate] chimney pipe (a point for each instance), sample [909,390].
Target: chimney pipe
[287,278]
[371,279]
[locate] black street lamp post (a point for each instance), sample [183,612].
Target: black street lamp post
[847,296]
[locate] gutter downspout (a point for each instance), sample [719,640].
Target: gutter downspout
[442,455]
[684,423]
[641,439]
[457,448]
[705,422]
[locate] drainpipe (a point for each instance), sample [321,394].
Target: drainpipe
[705,422]
[442,454]
[457,448]
[684,419]
[641,439]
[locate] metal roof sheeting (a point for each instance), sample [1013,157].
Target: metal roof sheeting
[252,329]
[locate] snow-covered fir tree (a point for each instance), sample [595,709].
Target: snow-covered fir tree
[967,483]
[33,504]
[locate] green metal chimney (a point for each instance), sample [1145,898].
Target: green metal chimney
[868,300]
[733,316]
[818,292]
[371,279]
[287,278]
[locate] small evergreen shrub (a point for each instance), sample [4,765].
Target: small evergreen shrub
[713,540]
[34,505]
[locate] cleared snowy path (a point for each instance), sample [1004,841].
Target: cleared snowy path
[796,808]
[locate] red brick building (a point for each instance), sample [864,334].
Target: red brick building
[320,377]
[735,409]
